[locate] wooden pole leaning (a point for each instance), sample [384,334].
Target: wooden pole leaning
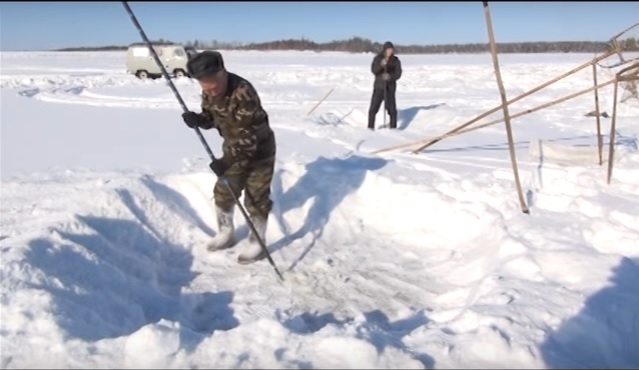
[321,101]
[504,106]
[621,76]
[599,137]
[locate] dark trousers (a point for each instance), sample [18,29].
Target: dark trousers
[376,102]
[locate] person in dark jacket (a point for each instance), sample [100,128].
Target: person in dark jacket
[387,69]
[231,105]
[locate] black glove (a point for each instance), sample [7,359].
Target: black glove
[219,167]
[193,119]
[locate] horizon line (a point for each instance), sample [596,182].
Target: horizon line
[245,44]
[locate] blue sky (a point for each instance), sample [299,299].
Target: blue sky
[45,26]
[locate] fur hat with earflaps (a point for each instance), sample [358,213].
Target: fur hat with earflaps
[206,63]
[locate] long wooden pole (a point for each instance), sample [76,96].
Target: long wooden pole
[320,102]
[622,75]
[504,106]
[613,124]
[599,138]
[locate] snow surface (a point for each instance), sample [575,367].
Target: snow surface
[390,261]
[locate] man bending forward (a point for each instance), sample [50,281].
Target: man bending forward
[231,105]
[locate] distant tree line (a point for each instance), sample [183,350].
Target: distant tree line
[94,48]
[362,45]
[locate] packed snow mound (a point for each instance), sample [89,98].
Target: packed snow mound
[123,269]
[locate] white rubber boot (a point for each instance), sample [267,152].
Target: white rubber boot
[253,250]
[225,237]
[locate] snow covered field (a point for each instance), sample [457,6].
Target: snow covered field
[391,260]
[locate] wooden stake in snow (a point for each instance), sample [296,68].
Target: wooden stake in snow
[599,138]
[625,75]
[320,102]
[611,144]
[504,106]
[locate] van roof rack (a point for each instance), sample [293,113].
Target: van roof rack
[155,44]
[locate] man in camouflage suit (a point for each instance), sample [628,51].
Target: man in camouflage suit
[231,105]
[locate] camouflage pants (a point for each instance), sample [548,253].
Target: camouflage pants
[255,181]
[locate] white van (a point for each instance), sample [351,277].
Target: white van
[140,61]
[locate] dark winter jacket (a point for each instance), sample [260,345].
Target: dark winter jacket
[393,68]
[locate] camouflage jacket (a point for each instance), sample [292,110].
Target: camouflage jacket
[241,121]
